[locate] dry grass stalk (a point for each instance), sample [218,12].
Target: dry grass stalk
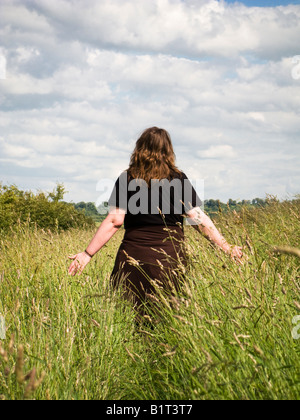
[146,332]
[253,360]
[131,260]
[11,344]
[129,354]
[208,356]
[280,279]
[287,250]
[31,381]
[96,323]
[249,247]
[238,341]
[296,284]
[258,351]
[248,293]
[169,354]
[185,321]
[241,307]
[297,304]
[20,365]
[3,354]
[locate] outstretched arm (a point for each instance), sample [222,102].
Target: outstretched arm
[205,225]
[106,231]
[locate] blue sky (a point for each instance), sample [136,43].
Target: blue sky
[81,83]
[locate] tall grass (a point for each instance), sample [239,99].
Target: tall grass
[227,335]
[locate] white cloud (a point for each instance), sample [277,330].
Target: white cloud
[205,28]
[25,54]
[218,152]
[18,17]
[84,78]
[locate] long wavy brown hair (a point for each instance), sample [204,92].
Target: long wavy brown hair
[153,156]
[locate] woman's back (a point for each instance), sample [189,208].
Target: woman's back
[161,202]
[151,198]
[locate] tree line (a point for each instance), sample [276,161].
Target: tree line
[49,211]
[212,207]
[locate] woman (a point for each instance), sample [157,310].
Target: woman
[151,199]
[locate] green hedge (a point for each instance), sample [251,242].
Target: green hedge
[44,210]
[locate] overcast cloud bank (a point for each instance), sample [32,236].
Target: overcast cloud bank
[84,78]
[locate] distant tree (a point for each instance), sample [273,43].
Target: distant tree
[90,210]
[80,205]
[258,202]
[232,204]
[58,194]
[246,203]
[215,207]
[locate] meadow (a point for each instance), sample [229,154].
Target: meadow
[227,335]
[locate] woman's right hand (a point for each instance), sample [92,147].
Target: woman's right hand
[80,261]
[237,254]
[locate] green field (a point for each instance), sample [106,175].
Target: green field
[227,336]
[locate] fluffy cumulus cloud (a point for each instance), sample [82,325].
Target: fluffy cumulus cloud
[81,79]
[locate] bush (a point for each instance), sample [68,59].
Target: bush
[44,210]
[90,210]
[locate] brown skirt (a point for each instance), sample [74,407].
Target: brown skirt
[149,259]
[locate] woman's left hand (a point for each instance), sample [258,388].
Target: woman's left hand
[80,261]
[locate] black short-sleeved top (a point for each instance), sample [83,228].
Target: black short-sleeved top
[163,202]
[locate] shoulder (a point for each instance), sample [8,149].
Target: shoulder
[123,176]
[181,175]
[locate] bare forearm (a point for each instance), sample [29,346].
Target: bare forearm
[105,232]
[210,231]
[205,225]
[108,228]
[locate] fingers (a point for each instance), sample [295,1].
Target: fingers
[81,270]
[238,255]
[75,266]
[73,269]
[239,261]
[79,263]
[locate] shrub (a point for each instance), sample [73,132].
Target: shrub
[44,210]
